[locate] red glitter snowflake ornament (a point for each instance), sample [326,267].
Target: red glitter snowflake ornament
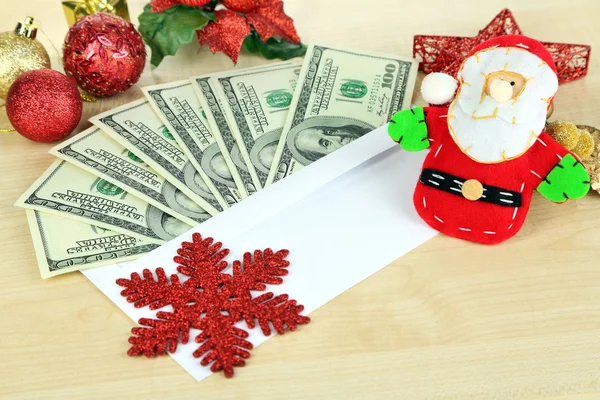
[211,301]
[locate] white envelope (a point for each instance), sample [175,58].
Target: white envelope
[343,218]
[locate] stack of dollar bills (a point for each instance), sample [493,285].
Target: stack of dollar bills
[152,169]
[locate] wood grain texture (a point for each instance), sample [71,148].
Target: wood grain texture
[450,320]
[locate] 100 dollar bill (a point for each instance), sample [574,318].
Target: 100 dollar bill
[63,245]
[96,152]
[178,107]
[340,96]
[137,127]
[70,192]
[256,104]
[232,163]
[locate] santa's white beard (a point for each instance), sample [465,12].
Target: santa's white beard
[493,140]
[491,132]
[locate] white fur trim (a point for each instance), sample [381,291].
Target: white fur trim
[438,88]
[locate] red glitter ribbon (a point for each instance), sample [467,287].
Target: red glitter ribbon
[446,53]
[211,301]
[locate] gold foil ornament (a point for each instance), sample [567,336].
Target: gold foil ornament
[20,52]
[76,9]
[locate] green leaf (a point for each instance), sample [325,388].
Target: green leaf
[568,179]
[165,32]
[273,48]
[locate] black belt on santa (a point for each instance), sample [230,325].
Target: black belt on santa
[453,184]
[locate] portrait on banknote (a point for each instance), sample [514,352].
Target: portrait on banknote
[316,137]
[214,165]
[263,151]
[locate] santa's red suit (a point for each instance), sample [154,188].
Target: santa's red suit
[487,150]
[512,183]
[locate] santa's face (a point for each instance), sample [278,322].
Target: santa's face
[504,86]
[501,104]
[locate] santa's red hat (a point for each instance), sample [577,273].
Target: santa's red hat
[440,88]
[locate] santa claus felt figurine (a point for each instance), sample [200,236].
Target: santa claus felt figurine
[488,151]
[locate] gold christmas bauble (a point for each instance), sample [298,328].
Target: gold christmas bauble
[585,146]
[20,52]
[564,132]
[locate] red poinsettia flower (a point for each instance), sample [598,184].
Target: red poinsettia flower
[227,33]
[270,20]
[159,6]
[244,5]
[230,29]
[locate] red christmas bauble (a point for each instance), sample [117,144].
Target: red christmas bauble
[44,105]
[104,53]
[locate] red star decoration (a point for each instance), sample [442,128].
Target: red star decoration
[446,53]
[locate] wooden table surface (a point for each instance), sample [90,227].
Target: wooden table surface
[450,320]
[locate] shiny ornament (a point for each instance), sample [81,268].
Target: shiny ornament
[20,52]
[211,301]
[564,132]
[585,146]
[572,137]
[104,53]
[446,53]
[44,105]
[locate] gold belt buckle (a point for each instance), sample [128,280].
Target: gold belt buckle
[472,189]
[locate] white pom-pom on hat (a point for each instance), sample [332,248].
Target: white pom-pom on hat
[438,88]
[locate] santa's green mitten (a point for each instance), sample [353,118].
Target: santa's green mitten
[409,129]
[567,180]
